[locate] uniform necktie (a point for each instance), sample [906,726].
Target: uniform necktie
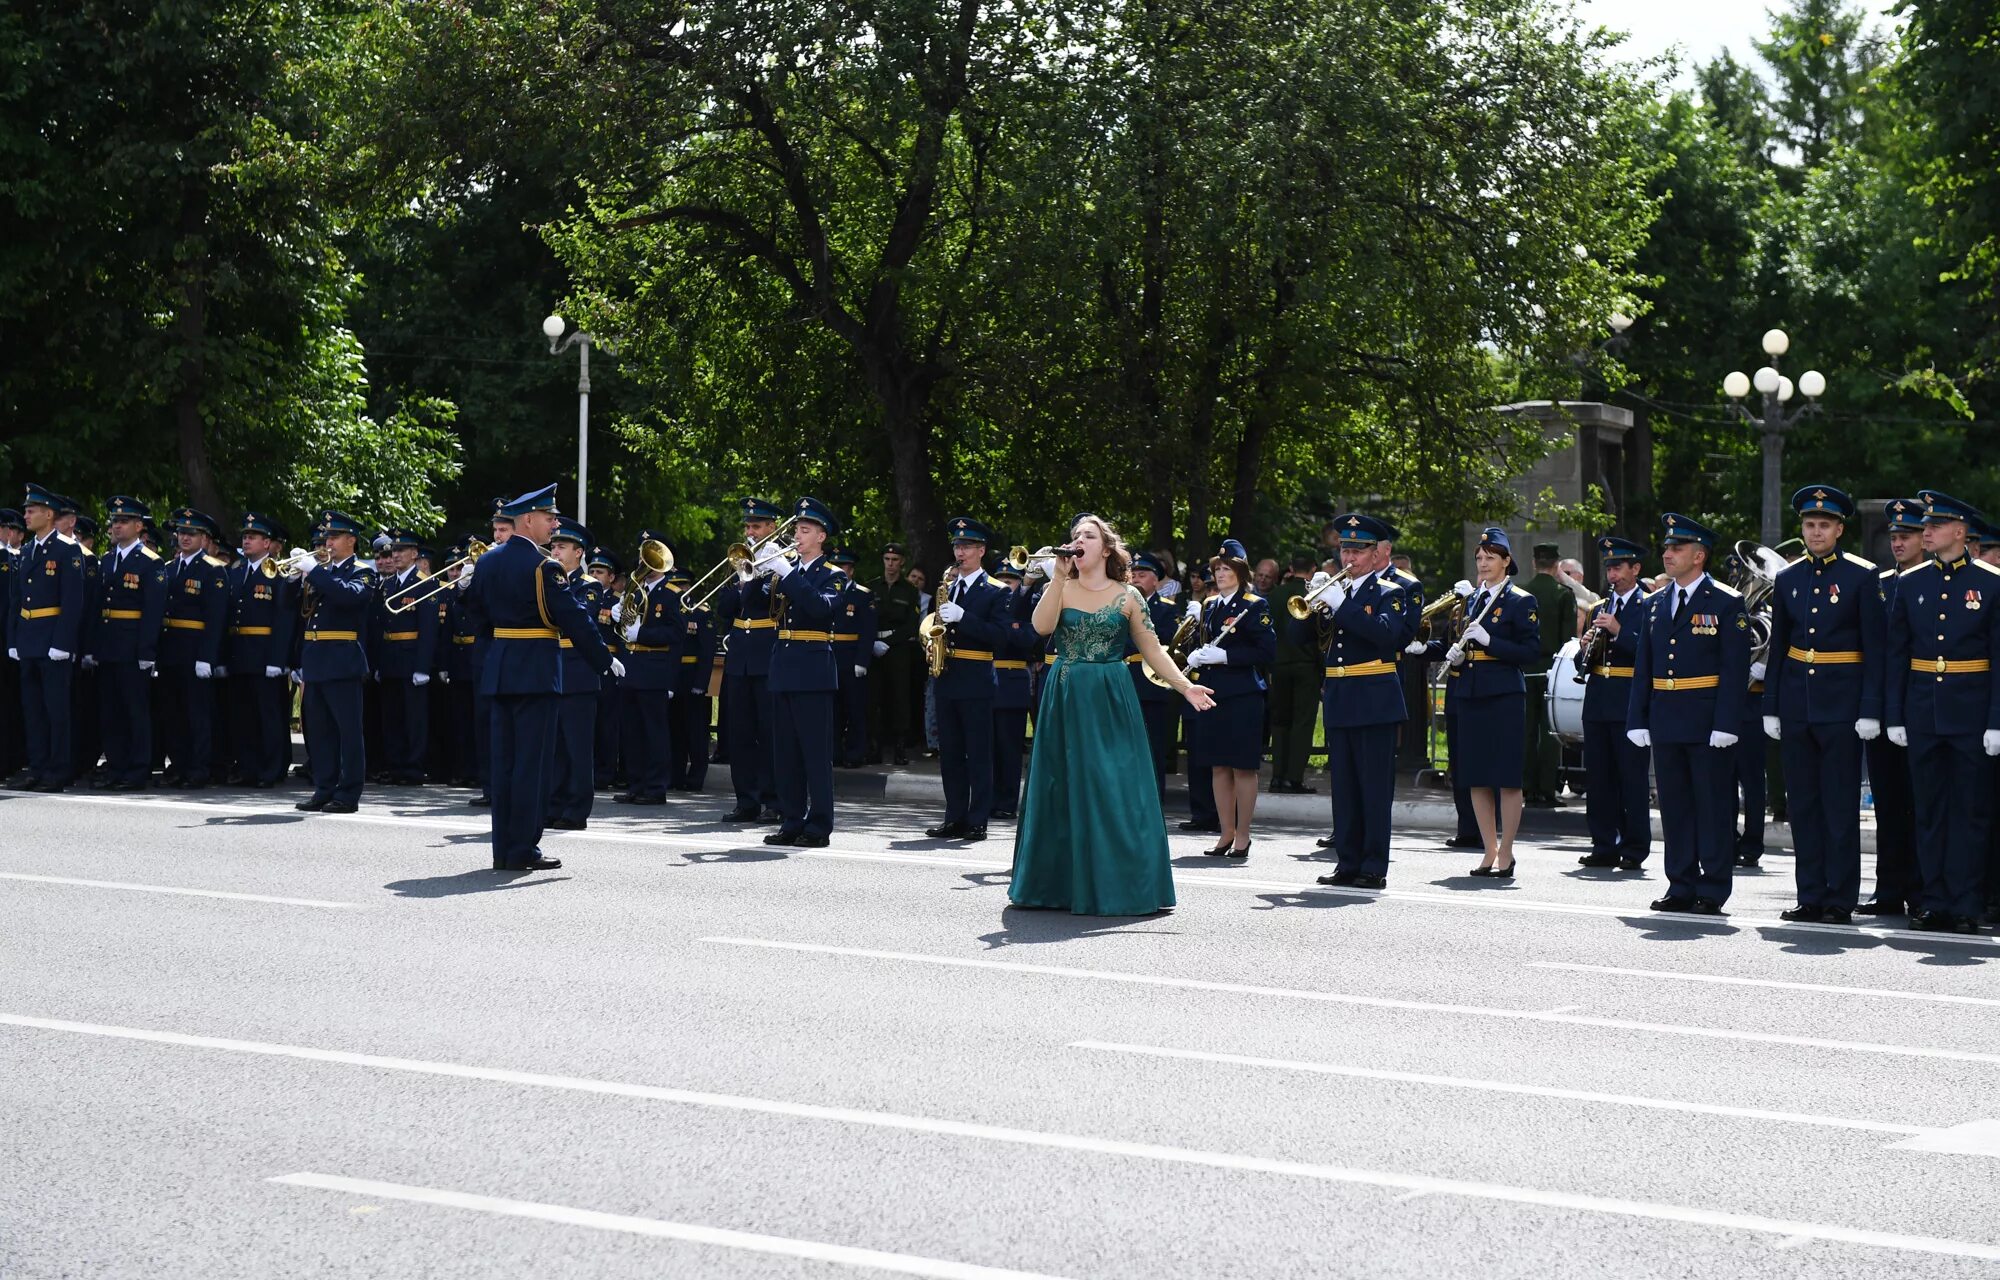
[1479,605]
[1681,608]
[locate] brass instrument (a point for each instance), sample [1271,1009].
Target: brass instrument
[1304,606]
[1017,559]
[270,567]
[740,556]
[1450,606]
[932,631]
[1756,578]
[1187,638]
[319,554]
[402,600]
[1187,672]
[1493,593]
[654,557]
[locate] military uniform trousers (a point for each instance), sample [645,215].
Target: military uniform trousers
[1953,781]
[891,678]
[1294,705]
[406,727]
[125,709]
[1896,877]
[522,734]
[1160,718]
[1746,792]
[45,713]
[339,753]
[1461,794]
[1200,781]
[692,713]
[609,756]
[747,705]
[1010,741]
[1615,801]
[965,758]
[1697,790]
[1823,771]
[573,782]
[188,718]
[469,721]
[853,716]
[1541,771]
[802,751]
[86,740]
[649,748]
[1361,774]
[257,710]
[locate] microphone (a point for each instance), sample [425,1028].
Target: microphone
[1067,552]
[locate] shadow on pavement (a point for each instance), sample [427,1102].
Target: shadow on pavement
[1677,929]
[252,820]
[1820,944]
[452,886]
[1466,882]
[984,880]
[773,853]
[1028,925]
[1312,898]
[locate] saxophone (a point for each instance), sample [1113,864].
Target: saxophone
[932,632]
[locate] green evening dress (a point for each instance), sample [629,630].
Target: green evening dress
[1097,844]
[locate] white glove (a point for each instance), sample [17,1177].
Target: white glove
[221,671]
[949,612]
[302,559]
[465,574]
[1899,735]
[202,671]
[880,636]
[1416,646]
[1757,670]
[13,655]
[1209,655]
[1639,737]
[1335,596]
[89,663]
[1462,589]
[145,666]
[298,676]
[1868,730]
[631,631]
[1720,740]
[1194,609]
[618,668]
[419,679]
[670,695]
[1773,729]
[1991,741]
[860,672]
[272,673]
[58,655]
[778,567]
[880,646]
[444,677]
[1477,634]
[1319,580]
[1454,657]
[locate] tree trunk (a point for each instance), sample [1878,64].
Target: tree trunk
[191,328]
[905,402]
[1263,408]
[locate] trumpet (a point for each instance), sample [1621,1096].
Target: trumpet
[1304,606]
[654,557]
[409,597]
[740,556]
[296,566]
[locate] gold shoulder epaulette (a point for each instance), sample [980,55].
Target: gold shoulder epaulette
[1251,597]
[1725,588]
[215,561]
[855,586]
[671,587]
[148,552]
[1853,559]
[1988,567]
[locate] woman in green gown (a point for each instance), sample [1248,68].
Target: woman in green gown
[1092,839]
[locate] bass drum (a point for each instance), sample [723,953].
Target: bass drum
[1564,704]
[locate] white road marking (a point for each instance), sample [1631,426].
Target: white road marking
[1974,1138]
[1501,1086]
[1061,1142]
[1883,992]
[783,1246]
[1373,1002]
[186,893]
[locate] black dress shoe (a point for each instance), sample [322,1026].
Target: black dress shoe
[312,804]
[781,836]
[127,784]
[1932,921]
[770,815]
[1340,878]
[1484,871]
[1880,907]
[945,831]
[973,835]
[542,864]
[1004,813]
[566,824]
[1749,859]
[339,806]
[1219,851]
[1598,860]
[1324,842]
[645,800]
[902,758]
[481,802]
[807,840]
[1370,882]
[1630,864]
[1706,907]
[1803,915]
[52,787]
[739,815]
[1464,842]
[1835,915]
[1964,924]
[1673,902]
[1214,828]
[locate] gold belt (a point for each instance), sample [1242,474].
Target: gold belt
[120,615]
[652,648]
[185,624]
[465,639]
[754,624]
[1941,666]
[1010,664]
[690,659]
[525,633]
[566,643]
[1380,667]
[789,634]
[1621,673]
[973,655]
[53,612]
[333,635]
[243,631]
[1670,684]
[1480,655]
[1823,657]
[399,635]
[842,637]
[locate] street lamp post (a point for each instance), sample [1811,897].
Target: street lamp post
[1777,391]
[552,329]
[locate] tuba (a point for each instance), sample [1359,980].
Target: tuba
[1756,576]
[932,632]
[653,558]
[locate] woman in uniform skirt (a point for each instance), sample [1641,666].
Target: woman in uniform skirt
[1237,622]
[1490,698]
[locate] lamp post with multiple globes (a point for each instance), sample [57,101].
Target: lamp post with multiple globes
[1777,391]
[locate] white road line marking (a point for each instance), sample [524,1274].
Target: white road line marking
[1373,1002]
[945,858]
[782,1246]
[1973,1138]
[1884,992]
[1501,1086]
[1058,1141]
[186,893]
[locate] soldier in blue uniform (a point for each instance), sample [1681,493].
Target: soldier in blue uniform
[86,745]
[853,653]
[406,645]
[13,754]
[608,756]
[256,700]
[693,709]
[468,640]
[972,610]
[743,615]
[1690,682]
[1202,815]
[654,641]
[1012,657]
[520,594]
[805,683]
[46,608]
[572,786]
[1942,702]
[1241,644]
[1823,699]
[190,650]
[1896,879]
[1156,701]
[132,604]
[1616,770]
[333,664]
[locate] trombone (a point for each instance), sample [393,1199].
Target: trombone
[654,557]
[402,600]
[740,556]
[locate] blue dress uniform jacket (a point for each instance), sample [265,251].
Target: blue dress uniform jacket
[804,686]
[1231,733]
[802,657]
[1691,679]
[1361,702]
[743,618]
[743,611]
[579,675]
[196,624]
[688,743]
[1413,600]
[963,700]
[406,640]
[1618,802]
[132,606]
[256,708]
[572,788]
[854,647]
[1829,643]
[1488,691]
[974,639]
[652,675]
[1156,702]
[1896,876]
[261,616]
[1607,696]
[1515,641]
[1943,639]
[333,661]
[1013,661]
[46,612]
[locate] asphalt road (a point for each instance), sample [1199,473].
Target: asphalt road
[350,1050]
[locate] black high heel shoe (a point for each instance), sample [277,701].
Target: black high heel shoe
[1507,872]
[1219,851]
[1244,852]
[1484,871]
